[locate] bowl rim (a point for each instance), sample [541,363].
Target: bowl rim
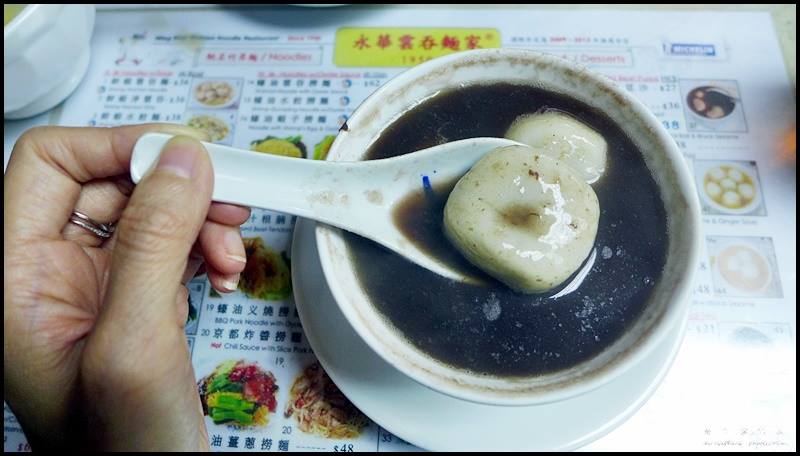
[675,308]
[26,11]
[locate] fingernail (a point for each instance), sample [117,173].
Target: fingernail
[231,282]
[237,258]
[177,129]
[233,246]
[202,135]
[179,157]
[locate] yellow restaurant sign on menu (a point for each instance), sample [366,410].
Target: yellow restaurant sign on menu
[405,47]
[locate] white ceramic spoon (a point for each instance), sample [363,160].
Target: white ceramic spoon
[355,196]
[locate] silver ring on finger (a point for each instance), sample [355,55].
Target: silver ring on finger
[101,230]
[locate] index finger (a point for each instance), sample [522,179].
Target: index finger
[49,165]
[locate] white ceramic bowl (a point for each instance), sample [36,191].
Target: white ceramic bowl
[669,303]
[45,56]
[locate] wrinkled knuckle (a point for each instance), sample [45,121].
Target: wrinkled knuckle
[150,227]
[30,138]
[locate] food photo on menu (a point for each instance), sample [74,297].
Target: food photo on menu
[385,228]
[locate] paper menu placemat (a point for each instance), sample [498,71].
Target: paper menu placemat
[285,79]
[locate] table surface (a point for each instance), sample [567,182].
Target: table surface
[784,18]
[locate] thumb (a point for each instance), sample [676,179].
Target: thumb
[155,235]
[136,373]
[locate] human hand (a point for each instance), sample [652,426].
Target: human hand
[93,342]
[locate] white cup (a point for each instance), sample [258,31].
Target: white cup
[45,56]
[665,312]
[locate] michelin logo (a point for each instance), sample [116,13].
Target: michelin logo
[690,49]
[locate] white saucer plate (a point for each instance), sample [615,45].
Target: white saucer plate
[435,421]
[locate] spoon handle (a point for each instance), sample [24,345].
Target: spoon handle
[305,188]
[354,196]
